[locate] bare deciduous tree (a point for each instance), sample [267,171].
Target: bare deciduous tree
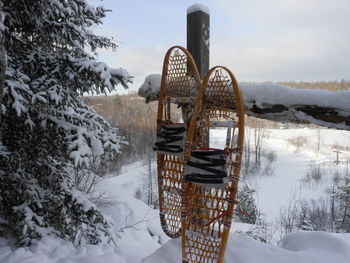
[258,141]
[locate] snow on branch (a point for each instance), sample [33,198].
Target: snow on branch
[281,103]
[108,76]
[17,90]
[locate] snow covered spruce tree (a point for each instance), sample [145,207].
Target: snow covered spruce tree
[342,200]
[247,211]
[46,127]
[304,221]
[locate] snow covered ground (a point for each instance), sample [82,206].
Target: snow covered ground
[137,225]
[291,167]
[140,234]
[310,247]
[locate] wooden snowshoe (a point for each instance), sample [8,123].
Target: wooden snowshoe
[211,175]
[179,84]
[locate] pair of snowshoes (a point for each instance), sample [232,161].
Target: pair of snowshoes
[197,185]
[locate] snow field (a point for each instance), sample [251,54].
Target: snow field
[141,238]
[310,247]
[291,167]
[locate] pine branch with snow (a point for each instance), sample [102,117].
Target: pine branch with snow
[342,201]
[47,128]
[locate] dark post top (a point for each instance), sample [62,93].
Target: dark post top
[198,40]
[198,46]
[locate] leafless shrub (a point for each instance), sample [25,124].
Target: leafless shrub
[258,142]
[271,156]
[101,199]
[138,193]
[298,142]
[268,169]
[339,147]
[260,164]
[313,176]
[336,177]
[320,214]
[288,217]
[315,172]
[299,215]
[306,180]
[246,154]
[87,178]
[259,231]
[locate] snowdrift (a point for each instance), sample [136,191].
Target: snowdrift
[306,247]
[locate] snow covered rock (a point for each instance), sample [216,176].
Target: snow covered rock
[150,88]
[273,94]
[282,103]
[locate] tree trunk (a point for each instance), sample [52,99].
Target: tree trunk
[150,183]
[2,57]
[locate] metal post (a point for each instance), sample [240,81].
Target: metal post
[198,44]
[198,39]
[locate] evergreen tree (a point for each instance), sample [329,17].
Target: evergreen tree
[2,54]
[47,129]
[247,211]
[304,220]
[342,200]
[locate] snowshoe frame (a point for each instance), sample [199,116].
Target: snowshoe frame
[179,83]
[208,210]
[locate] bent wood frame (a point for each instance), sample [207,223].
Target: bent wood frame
[180,77]
[206,226]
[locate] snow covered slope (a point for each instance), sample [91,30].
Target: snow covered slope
[306,247]
[136,224]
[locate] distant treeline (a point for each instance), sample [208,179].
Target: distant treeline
[135,120]
[326,85]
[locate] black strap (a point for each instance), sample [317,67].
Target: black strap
[203,155]
[175,129]
[205,167]
[214,176]
[167,148]
[206,176]
[195,179]
[170,134]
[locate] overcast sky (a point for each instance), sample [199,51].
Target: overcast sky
[259,40]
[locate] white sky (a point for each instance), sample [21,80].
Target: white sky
[259,40]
